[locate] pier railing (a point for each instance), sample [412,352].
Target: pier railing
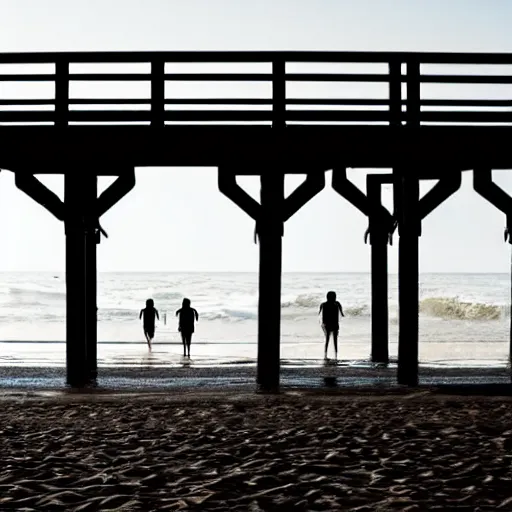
[251,88]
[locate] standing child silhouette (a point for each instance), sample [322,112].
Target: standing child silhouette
[187,315]
[330,321]
[149,313]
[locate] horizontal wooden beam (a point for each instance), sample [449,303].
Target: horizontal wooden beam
[256,57]
[61,150]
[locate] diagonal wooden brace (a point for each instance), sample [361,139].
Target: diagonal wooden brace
[440,192]
[484,186]
[447,185]
[349,191]
[31,186]
[113,194]
[307,190]
[232,190]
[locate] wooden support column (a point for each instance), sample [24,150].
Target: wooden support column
[380,316]
[77,371]
[408,280]
[90,191]
[380,231]
[80,213]
[270,216]
[270,232]
[408,253]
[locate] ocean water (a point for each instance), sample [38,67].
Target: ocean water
[464,318]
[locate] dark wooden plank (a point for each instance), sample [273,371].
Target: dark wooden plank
[395,93]
[61,93]
[257,57]
[157,92]
[278,93]
[413,92]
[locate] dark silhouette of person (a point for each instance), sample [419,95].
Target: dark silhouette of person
[330,320]
[149,313]
[187,315]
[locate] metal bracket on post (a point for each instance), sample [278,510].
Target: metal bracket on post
[350,192]
[379,218]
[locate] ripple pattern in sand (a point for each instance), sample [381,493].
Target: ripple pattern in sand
[272,454]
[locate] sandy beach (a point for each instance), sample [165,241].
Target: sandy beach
[208,450]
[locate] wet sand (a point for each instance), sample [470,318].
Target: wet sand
[388,449]
[243,377]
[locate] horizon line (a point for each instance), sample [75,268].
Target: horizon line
[63,272]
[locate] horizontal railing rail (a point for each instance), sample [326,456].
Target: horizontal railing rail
[407,88]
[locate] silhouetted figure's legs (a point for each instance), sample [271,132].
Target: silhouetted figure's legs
[188,339]
[335,341]
[149,336]
[184,341]
[327,337]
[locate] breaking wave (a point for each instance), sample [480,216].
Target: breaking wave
[47,303]
[454,309]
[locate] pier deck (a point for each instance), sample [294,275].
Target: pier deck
[427,111]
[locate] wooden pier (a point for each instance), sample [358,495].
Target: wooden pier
[408,127]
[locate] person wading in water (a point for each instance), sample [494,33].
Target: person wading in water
[330,310]
[187,315]
[149,313]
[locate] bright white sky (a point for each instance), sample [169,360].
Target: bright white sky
[147,229]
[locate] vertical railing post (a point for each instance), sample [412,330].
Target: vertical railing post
[61,92]
[413,92]
[395,93]
[279,93]
[157,92]
[408,250]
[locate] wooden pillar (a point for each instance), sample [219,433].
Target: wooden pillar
[510,322]
[408,253]
[408,278]
[270,231]
[379,225]
[380,316]
[80,191]
[76,347]
[91,326]
[270,215]
[80,212]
